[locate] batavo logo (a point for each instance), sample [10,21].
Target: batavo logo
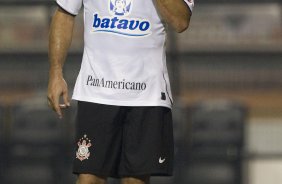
[119,21]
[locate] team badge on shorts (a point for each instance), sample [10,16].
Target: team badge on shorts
[83,152]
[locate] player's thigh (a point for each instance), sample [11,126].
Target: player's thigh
[98,139]
[147,142]
[90,179]
[136,180]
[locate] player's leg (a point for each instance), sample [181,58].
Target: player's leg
[136,180]
[90,179]
[147,147]
[98,142]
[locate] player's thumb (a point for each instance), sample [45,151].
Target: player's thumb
[66,98]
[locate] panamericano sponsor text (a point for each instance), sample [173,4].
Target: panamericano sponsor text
[121,85]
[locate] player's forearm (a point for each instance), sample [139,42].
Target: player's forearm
[175,12]
[60,37]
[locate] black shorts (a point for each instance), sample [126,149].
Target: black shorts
[120,141]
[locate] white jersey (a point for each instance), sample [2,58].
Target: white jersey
[124,61]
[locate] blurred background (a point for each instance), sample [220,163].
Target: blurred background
[226,74]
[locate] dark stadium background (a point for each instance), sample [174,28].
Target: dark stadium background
[226,74]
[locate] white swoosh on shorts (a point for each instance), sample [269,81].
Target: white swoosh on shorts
[161,160]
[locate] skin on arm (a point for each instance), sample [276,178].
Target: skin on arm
[175,12]
[60,37]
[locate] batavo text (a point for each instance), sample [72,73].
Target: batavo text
[124,24]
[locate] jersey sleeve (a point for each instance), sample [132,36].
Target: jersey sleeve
[190,3]
[71,6]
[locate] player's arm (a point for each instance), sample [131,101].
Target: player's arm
[175,12]
[60,37]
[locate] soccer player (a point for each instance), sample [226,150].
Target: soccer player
[124,123]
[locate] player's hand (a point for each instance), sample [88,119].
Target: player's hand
[57,87]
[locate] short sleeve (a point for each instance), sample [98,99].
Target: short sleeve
[71,6]
[190,3]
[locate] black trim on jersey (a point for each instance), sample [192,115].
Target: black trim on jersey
[170,99]
[163,96]
[64,10]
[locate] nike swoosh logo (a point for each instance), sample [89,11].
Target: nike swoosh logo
[161,160]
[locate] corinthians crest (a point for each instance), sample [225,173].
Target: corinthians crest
[120,7]
[82,152]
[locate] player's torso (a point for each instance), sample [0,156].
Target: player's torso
[124,60]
